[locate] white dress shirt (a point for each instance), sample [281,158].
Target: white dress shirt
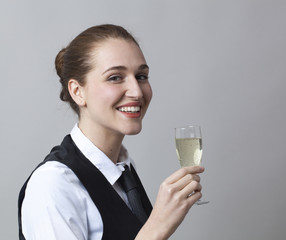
[57,205]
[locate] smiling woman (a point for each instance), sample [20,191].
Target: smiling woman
[80,190]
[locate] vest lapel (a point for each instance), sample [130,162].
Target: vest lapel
[118,220]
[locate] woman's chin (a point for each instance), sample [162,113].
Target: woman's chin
[133,130]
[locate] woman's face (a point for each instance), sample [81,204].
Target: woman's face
[117,91]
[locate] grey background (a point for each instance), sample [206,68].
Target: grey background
[220,64]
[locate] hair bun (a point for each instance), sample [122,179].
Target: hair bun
[59,62]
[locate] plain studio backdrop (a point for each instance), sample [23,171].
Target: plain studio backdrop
[219,64]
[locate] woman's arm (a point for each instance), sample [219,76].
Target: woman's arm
[176,196]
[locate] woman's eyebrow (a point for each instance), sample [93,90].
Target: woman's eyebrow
[115,68]
[123,68]
[143,66]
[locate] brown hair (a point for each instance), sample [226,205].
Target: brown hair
[74,61]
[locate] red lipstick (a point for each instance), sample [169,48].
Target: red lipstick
[130,110]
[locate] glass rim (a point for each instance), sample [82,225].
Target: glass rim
[188,126]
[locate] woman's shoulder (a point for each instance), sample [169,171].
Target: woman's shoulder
[55,195]
[53,179]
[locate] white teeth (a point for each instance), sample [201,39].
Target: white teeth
[129,109]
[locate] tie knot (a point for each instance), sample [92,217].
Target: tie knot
[127,180]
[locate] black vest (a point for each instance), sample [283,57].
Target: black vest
[118,220]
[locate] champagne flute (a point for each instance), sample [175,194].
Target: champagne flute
[189,148]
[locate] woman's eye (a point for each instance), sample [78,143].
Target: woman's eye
[115,78]
[142,77]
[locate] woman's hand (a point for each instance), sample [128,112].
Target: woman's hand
[176,196]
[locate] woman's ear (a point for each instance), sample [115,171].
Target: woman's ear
[77,92]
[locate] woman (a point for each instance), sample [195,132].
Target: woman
[76,193]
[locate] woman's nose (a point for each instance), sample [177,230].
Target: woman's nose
[134,89]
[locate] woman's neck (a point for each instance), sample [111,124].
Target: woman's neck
[106,140]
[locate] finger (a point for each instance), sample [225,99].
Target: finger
[192,187]
[183,172]
[184,181]
[193,198]
[196,177]
[195,169]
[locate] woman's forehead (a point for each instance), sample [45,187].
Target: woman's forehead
[117,52]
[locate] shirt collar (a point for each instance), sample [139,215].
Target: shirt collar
[110,170]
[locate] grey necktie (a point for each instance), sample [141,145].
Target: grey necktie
[129,185]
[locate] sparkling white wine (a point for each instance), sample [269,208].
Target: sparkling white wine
[189,151]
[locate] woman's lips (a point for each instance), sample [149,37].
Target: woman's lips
[130,110]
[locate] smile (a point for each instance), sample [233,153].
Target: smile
[133,109]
